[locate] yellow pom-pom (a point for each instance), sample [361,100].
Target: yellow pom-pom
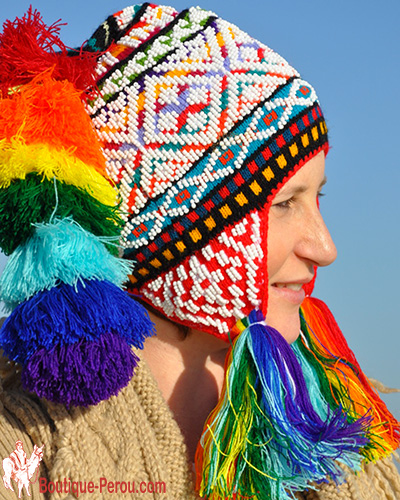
[17,159]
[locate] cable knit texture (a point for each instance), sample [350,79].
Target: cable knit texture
[132,437]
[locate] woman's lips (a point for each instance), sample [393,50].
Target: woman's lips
[292,292]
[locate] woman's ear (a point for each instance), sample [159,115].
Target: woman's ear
[2,321]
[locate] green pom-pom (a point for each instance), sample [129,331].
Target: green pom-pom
[32,200]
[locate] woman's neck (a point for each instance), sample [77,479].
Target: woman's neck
[189,372]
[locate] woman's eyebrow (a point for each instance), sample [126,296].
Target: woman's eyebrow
[324,181]
[302,188]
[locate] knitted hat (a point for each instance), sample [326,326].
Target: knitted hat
[200,126]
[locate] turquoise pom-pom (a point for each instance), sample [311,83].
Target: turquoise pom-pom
[59,252]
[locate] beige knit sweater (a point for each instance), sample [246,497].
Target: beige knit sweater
[132,437]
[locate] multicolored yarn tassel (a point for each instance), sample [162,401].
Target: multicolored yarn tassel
[72,327]
[267,438]
[289,415]
[325,347]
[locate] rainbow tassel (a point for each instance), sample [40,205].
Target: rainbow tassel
[72,327]
[267,438]
[59,252]
[324,345]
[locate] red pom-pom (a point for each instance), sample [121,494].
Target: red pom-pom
[28,47]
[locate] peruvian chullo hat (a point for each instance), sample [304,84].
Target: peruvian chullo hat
[199,125]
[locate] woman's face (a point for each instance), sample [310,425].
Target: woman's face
[298,240]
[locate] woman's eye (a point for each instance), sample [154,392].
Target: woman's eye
[290,202]
[284,204]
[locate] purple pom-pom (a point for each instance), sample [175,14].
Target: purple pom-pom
[83,373]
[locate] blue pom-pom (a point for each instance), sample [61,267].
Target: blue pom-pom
[66,314]
[59,252]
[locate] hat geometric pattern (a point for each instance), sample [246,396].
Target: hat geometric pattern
[216,284]
[200,124]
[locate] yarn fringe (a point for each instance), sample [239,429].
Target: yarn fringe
[46,111]
[83,373]
[74,328]
[28,47]
[65,315]
[324,344]
[34,200]
[18,159]
[74,344]
[267,439]
[59,252]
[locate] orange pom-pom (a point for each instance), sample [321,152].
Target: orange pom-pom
[51,112]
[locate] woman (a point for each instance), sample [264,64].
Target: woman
[217,148]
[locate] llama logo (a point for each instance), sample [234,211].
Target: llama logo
[17,467]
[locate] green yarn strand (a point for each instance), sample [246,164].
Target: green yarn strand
[333,393]
[35,200]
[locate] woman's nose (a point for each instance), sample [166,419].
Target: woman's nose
[317,244]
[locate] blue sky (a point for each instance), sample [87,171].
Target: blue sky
[349,52]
